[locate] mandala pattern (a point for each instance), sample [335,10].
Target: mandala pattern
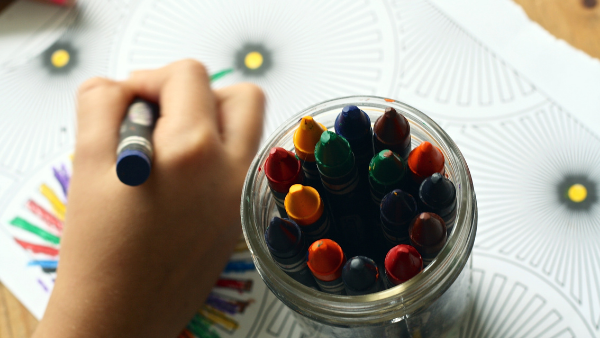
[342,48]
[536,179]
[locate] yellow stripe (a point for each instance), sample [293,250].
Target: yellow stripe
[59,207]
[218,318]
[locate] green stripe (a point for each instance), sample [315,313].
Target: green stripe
[200,327]
[220,74]
[23,224]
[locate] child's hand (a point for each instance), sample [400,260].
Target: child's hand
[139,261]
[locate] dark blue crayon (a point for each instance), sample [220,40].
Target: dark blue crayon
[288,248]
[135,151]
[355,126]
[437,194]
[361,276]
[239,266]
[398,209]
[347,194]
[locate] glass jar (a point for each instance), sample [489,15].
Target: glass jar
[431,304]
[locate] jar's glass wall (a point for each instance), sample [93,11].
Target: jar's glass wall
[430,304]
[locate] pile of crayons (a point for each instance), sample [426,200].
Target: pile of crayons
[358,192]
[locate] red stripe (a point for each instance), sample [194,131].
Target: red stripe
[36,248]
[47,217]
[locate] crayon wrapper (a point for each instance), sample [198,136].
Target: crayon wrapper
[137,127]
[335,287]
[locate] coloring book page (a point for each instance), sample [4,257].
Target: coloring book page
[522,107]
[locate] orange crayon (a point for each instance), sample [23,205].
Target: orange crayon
[305,139]
[424,161]
[326,261]
[305,206]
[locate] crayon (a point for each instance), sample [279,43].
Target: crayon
[135,151]
[347,197]
[305,206]
[355,126]
[437,194]
[326,261]
[288,248]
[392,131]
[427,234]
[386,172]
[282,170]
[424,161]
[398,209]
[305,139]
[402,263]
[361,276]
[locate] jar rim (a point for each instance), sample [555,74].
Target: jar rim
[390,305]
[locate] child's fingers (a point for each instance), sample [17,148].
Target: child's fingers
[102,103]
[241,108]
[183,91]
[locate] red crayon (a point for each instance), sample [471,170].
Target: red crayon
[402,263]
[240,285]
[283,170]
[424,161]
[392,131]
[326,261]
[427,234]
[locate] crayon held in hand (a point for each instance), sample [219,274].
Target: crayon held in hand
[282,170]
[305,206]
[326,261]
[427,234]
[288,248]
[355,126]
[402,263]
[305,139]
[392,131]
[361,276]
[437,194]
[135,151]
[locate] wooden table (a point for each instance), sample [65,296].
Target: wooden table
[575,21]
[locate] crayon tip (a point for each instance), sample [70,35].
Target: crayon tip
[303,204]
[386,168]
[352,123]
[437,191]
[398,207]
[133,167]
[333,155]
[306,137]
[282,166]
[326,259]
[402,263]
[392,128]
[360,273]
[425,160]
[283,237]
[428,230]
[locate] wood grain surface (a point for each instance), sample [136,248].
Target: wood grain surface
[575,21]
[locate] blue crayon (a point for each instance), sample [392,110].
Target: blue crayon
[355,126]
[361,276]
[288,248]
[135,151]
[398,209]
[437,194]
